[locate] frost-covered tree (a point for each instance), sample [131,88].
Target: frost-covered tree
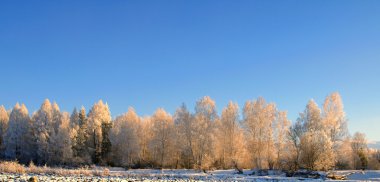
[44,130]
[99,118]
[262,139]
[63,147]
[296,132]
[17,139]
[334,121]
[145,135]
[315,138]
[311,117]
[229,138]
[74,119]
[258,118]
[281,142]
[316,151]
[4,118]
[106,142]
[205,117]
[373,159]
[334,118]
[185,130]
[345,155]
[162,141]
[125,140]
[80,136]
[360,149]
[56,116]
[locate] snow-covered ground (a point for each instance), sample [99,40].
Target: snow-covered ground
[369,175]
[155,175]
[119,174]
[217,175]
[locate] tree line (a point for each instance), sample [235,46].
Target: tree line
[259,136]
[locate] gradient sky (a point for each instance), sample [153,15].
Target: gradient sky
[150,54]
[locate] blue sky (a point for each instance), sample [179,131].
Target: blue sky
[150,54]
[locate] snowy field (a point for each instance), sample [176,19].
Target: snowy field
[118,174]
[370,175]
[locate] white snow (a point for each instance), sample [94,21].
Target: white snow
[216,175]
[119,174]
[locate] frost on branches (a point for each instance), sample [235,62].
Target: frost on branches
[258,136]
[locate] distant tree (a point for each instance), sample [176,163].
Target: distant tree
[4,119]
[80,137]
[281,142]
[125,140]
[344,155]
[205,117]
[162,141]
[185,130]
[373,159]
[263,138]
[316,151]
[45,120]
[311,117]
[17,139]
[360,149]
[229,138]
[258,118]
[56,117]
[316,145]
[74,119]
[334,118]
[335,123]
[106,142]
[62,150]
[296,132]
[98,116]
[145,135]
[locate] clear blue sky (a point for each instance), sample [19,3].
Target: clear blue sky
[150,54]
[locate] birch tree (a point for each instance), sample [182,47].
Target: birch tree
[334,118]
[335,123]
[162,141]
[311,117]
[316,151]
[281,142]
[229,139]
[316,145]
[205,117]
[296,132]
[345,155]
[258,117]
[185,130]
[4,119]
[145,135]
[125,140]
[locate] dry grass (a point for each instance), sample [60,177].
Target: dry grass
[103,172]
[12,167]
[15,167]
